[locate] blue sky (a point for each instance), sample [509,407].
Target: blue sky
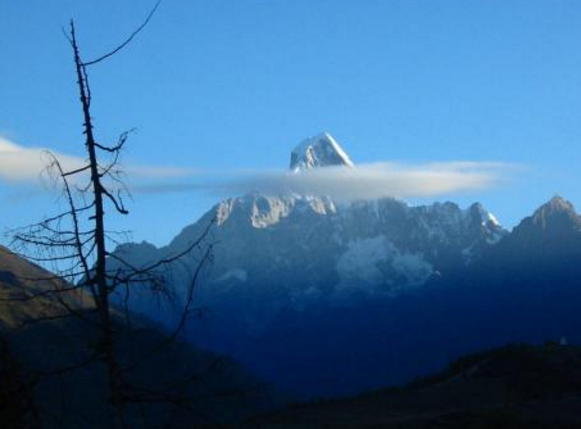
[235,84]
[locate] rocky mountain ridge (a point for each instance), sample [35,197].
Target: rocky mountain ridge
[313,294]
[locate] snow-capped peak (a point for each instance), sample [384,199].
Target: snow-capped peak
[319,151]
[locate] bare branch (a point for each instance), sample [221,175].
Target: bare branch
[77,171]
[118,204]
[126,42]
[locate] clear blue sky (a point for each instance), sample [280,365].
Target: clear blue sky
[224,84]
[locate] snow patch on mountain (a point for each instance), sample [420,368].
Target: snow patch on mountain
[360,261]
[319,151]
[378,263]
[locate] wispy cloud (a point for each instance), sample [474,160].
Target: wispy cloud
[20,164]
[372,181]
[368,181]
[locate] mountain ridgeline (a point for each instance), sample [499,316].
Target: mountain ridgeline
[329,298]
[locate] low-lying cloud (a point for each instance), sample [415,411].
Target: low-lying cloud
[367,181]
[19,164]
[370,181]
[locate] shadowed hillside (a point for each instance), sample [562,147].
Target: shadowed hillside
[517,386]
[43,347]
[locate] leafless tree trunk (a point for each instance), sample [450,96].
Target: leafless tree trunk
[99,277]
[76,242]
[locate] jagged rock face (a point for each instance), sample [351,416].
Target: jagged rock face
[279,254]
[310,248]
[313,295]
[299,252]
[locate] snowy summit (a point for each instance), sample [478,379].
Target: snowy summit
[319,151]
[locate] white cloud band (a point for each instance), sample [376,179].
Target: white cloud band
[369,181]
[22,164]
[372,181]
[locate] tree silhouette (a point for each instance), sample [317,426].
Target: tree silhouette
[76,242]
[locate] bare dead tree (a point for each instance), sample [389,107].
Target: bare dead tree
[77,245]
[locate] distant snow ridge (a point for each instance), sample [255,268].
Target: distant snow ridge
[319,151]
[279,254]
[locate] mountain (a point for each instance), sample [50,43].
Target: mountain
[553,225]
[319,151]
[516,386]
[526,287]
[279,260]
[541,254]
[35,339]
[298,250]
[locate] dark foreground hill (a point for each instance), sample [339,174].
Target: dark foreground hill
[37,345]
[517,386]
